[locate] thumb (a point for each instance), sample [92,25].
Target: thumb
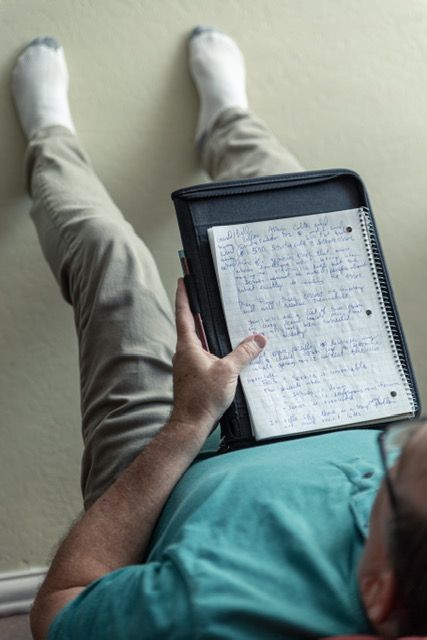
[247,351]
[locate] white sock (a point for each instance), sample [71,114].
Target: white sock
[218,69]
[40,87]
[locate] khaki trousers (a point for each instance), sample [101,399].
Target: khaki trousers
[124,322]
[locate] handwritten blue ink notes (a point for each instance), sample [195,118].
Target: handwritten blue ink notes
[309,285]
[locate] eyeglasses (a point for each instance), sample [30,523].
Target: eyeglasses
[392,442]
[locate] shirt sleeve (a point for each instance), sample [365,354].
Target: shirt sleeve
[143,602]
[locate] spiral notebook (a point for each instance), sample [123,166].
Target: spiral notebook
[314,283]
[311,287]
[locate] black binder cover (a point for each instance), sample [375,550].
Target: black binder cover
[238,201]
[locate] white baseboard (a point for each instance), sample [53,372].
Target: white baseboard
[18,589]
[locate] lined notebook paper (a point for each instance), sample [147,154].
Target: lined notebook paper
[309,284]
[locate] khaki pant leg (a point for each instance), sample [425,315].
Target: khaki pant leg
[239,145]
[124,323]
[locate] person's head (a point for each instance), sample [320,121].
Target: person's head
[393,568]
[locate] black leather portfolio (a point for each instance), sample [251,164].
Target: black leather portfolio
[297,258]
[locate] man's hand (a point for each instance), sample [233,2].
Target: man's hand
[204,386]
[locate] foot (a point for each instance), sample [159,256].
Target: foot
[40,87]
[218,69]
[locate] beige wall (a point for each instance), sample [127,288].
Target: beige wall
[342,83]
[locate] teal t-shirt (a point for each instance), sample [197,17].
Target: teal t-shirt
[259,543]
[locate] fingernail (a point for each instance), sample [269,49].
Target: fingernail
[260,341]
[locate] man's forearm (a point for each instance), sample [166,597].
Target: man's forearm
[118,527]
[116,530]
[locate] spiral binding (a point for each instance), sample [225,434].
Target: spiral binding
[381,285]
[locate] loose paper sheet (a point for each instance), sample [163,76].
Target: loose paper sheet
[306,283]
